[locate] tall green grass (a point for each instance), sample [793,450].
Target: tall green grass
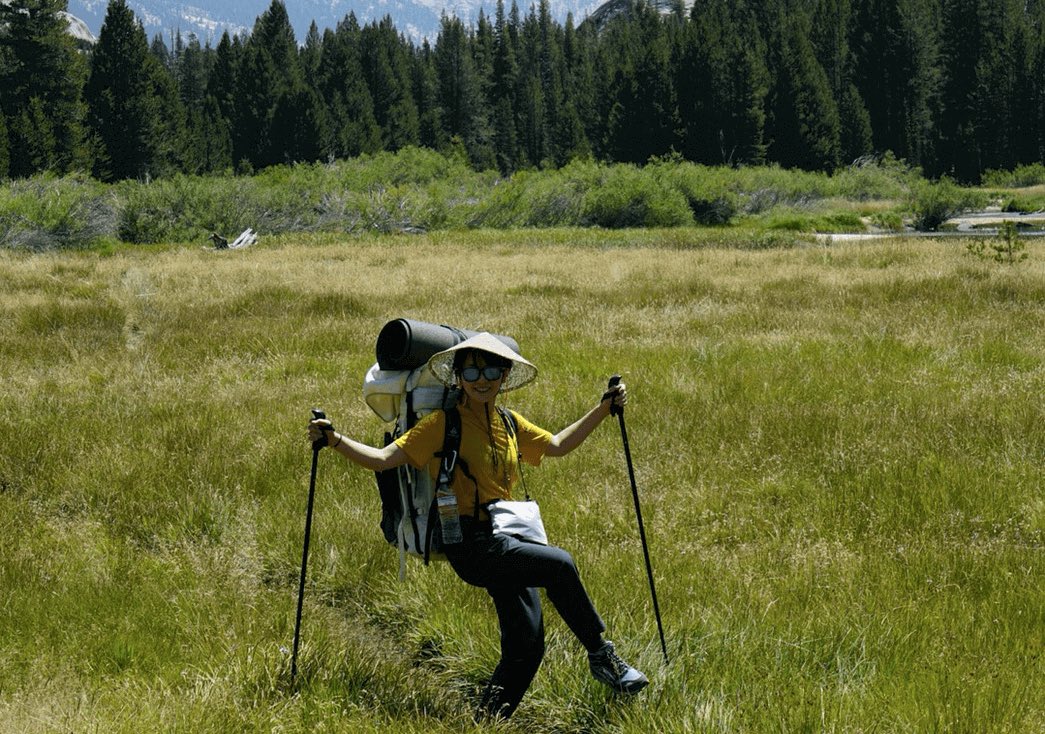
[838,449]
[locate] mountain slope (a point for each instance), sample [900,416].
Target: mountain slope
[208,19]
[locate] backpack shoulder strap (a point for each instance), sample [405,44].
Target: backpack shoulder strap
[448,456]
[512,426]
[451,434]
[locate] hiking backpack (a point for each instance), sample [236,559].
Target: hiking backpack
[401,390]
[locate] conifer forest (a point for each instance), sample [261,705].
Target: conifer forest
[955,87]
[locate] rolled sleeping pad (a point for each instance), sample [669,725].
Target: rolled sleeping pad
[406,344]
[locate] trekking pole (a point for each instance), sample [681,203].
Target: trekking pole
[316,446]
[619,412]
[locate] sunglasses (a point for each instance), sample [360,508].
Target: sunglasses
[471,374]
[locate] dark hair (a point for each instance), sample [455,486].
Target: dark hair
[493,360]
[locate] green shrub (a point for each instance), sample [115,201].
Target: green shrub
[537,199]
[882,177]
[761,188]
[706,191]
[407,166]
[890,221]
[400,209]
[934,202]
[185,208]
[788,221]
[840,222]
[1022,204]
[1020,177]
[632,197]
[46,212]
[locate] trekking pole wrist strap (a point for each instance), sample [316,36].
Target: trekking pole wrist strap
[329,436]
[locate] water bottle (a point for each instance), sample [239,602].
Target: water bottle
[449,519]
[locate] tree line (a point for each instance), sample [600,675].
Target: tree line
[956,87]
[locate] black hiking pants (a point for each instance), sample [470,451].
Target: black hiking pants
[511,571]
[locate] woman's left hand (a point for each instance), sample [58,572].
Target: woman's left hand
[616,395]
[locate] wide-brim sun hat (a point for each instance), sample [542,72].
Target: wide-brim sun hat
[522,372]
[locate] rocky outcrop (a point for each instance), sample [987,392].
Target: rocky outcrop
[617,8]
[79,30]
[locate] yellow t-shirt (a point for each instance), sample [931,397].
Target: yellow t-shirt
[495,468]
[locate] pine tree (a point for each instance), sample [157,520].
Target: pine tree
[502,95]
[896,69]
[208,146]
[722,82]
[191,70]
[644,116]
[577,101]
[269,71]
[385,61]
[963,36]
[161,52]
[5,157]
[169,145]
[123,111]
[564,128]
[460,93]
[1038,99]
[530,104]
[299,124]
[221,79]
[310,54]
[581,49]
[350,108]
[483,48]
[426,93]
[1026,90]
[1003,59]
[33,133]
[41,84]
[830,37]
[805,130]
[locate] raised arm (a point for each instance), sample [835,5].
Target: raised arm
[368,457]
[573,435]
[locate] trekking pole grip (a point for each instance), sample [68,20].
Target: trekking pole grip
[614,409]
[319,443]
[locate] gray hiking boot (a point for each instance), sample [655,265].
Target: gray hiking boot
[607,666]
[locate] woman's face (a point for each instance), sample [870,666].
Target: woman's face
[482,390]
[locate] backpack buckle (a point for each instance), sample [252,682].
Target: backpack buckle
[447,467]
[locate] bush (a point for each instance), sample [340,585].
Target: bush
[46,212]
[1020,177]
[537,199]
[707,193]
[185,208]
[890,221]
[416,166]
[761,188]
[933,203]
[631,197]
[880,177]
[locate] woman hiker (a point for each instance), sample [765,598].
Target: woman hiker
[511,570]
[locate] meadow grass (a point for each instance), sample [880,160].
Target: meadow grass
[839,451]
